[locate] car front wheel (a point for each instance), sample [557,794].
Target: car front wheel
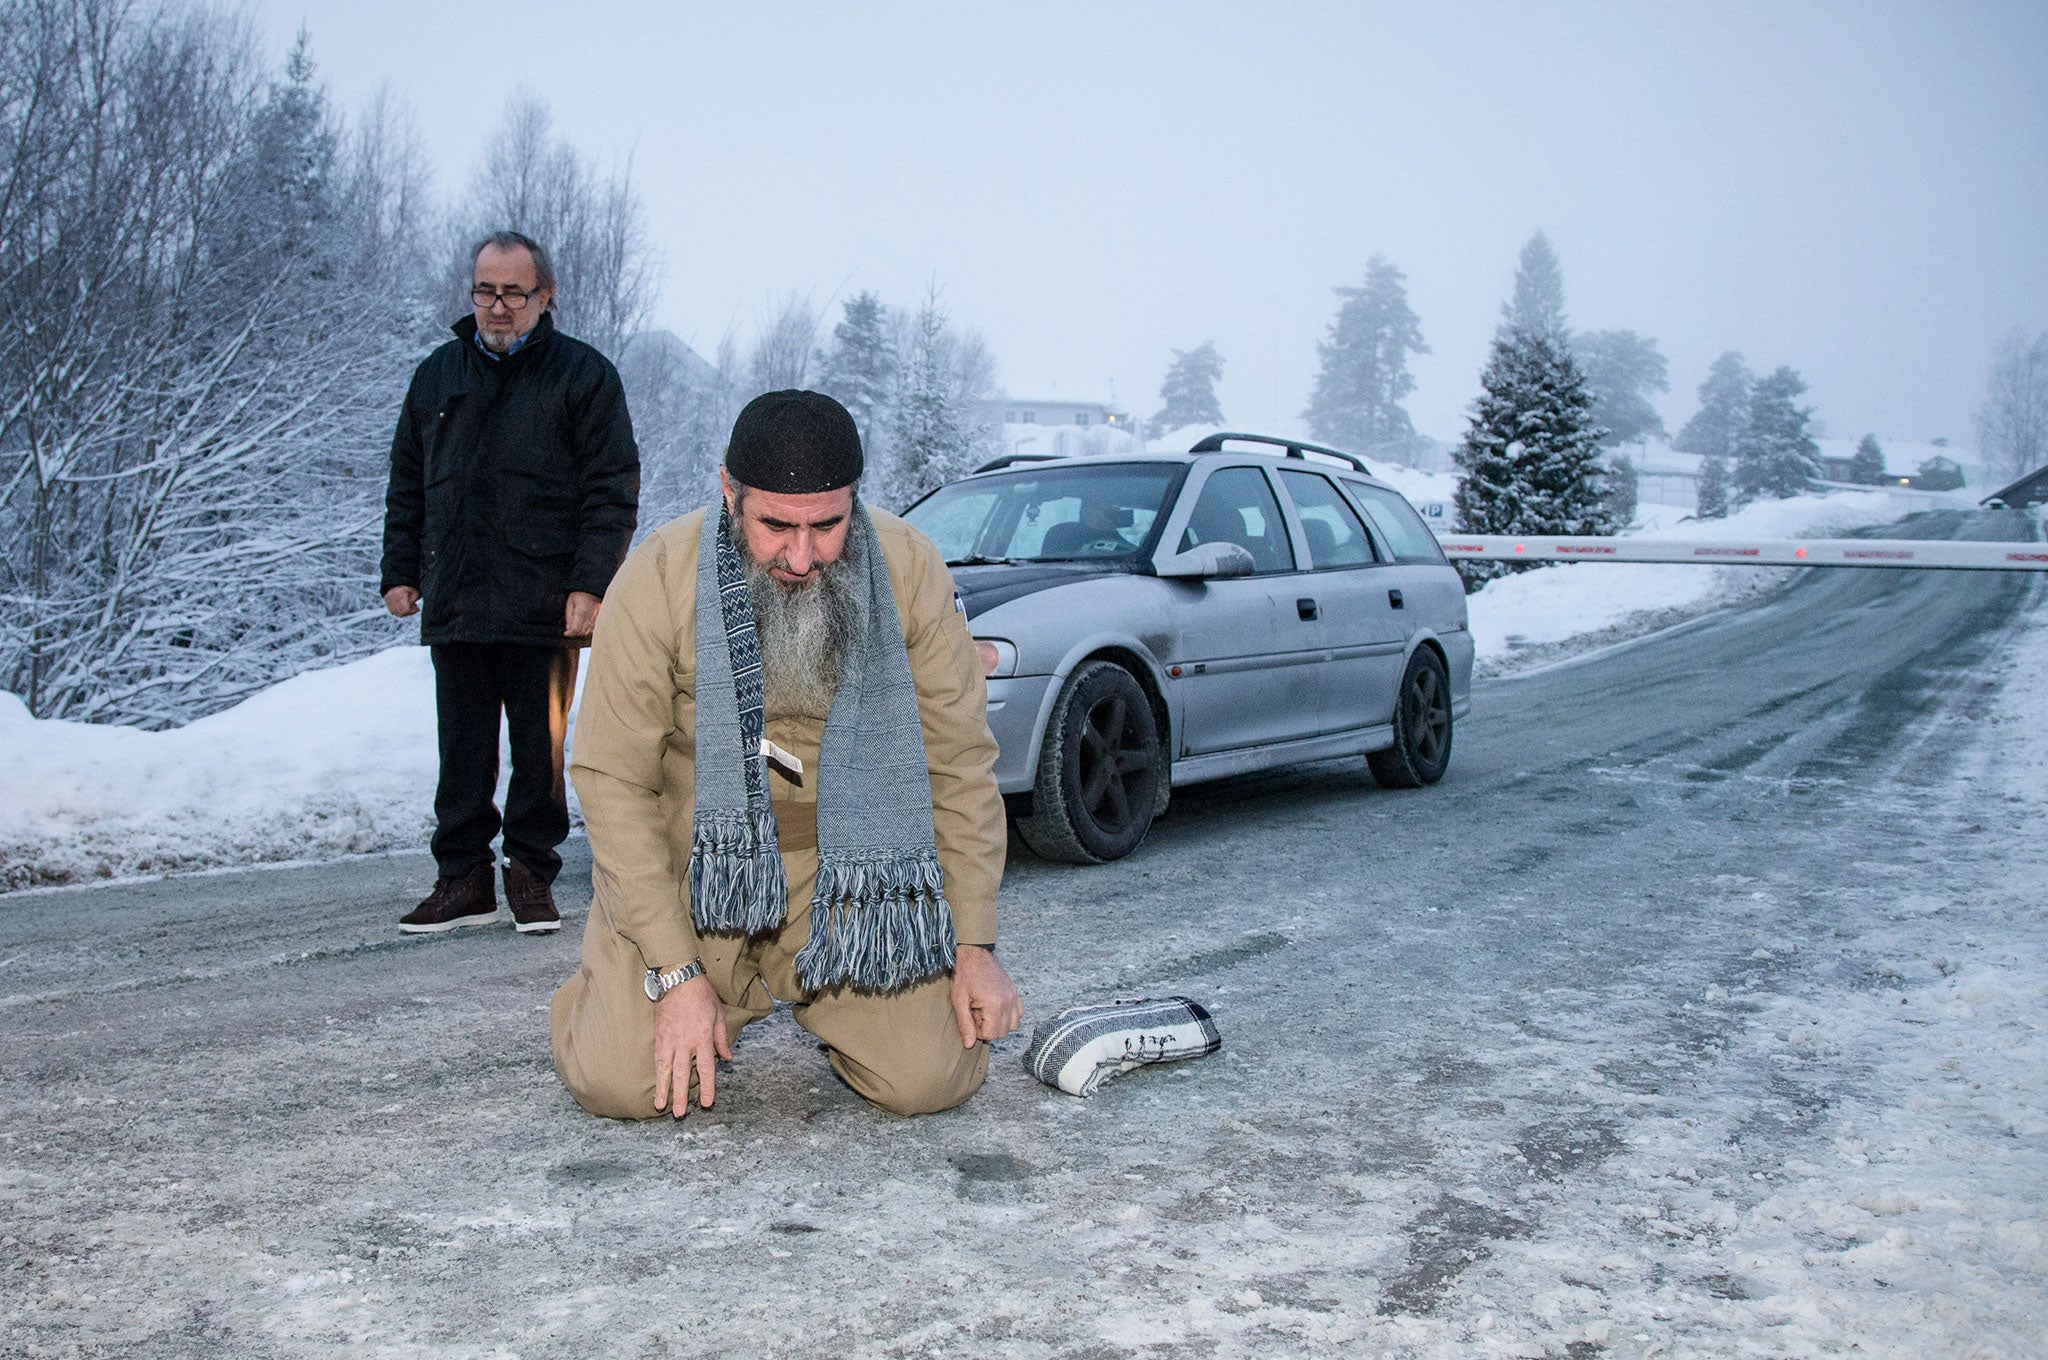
[1422,727]
[1099,770]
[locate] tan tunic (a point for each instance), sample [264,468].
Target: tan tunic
[633,763]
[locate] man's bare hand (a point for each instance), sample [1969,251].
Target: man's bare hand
[689,1030]
[402,601]
[985,1001]
[581,615]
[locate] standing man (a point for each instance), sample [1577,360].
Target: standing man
[788,779]
[514,486]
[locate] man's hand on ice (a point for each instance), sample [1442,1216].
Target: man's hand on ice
[689,1029]
[402,601]
[985,1001]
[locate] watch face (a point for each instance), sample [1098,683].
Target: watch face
[653,985]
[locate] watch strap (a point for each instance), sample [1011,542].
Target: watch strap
[660,984]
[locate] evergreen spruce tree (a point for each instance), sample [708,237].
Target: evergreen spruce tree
[1867,467]
[1624,491]
[1532,454]
[295,148]
[1713,488]
[1622,368]
[860,367]
[1537,305]
[1723,413]
[1188,394]
[1364,374]
[1775,455]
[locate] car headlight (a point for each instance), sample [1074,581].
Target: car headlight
[998,658]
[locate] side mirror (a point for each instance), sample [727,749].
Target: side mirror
[1208,561]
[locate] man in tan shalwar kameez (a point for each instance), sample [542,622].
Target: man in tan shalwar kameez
[791,511]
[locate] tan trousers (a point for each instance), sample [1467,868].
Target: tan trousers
[902,1051]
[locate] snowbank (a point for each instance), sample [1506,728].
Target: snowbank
[329,763]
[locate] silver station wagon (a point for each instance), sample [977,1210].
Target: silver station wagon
[1158,620]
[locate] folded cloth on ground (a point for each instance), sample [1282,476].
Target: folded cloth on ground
[1083,1046]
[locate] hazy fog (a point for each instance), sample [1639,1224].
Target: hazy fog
[1858,190]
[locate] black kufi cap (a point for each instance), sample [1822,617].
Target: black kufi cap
[794,443]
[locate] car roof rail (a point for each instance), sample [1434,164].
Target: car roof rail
[1295,448]
[1007,459]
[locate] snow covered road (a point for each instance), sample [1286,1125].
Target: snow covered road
[1700,1011]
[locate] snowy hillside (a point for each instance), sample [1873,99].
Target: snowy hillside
[342,761]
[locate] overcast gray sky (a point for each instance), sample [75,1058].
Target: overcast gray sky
[1857,190]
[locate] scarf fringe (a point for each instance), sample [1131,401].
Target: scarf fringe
[879,923]
[736,879]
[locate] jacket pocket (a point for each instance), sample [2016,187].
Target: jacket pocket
[440,463]
[541,540]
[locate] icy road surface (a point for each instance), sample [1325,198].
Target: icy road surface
[1700,1011]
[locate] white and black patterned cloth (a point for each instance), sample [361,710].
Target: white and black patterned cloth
[1083,1046]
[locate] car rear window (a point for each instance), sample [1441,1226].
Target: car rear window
[1335,537]
[1400,528]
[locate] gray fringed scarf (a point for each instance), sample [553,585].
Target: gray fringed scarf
[879,917]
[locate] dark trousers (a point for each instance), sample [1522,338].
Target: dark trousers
[474,682]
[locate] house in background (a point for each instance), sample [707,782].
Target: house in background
[1061,427]
[1008,410]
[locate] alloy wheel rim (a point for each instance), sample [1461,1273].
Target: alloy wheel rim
[1115,755]
[1429,717]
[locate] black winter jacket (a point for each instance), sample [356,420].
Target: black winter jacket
[513,482]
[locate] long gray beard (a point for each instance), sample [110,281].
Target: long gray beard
[804,631]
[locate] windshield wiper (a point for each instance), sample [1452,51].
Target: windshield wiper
[977,560]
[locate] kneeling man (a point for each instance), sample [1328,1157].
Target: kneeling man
[785,767]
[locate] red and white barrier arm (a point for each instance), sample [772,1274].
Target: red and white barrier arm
[1731,552]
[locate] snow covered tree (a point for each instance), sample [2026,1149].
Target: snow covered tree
[198,379]
[1622,369]
[1938,474]
[285,177]
[1537,304]
[933,435]
[531,181]
[783,351]
[1624,491]
[1867,467]
[683,408]
[1364,373]
[1775,455]
[1188,394]
[1723,413]
[2012,425]
[1531,455]
[1713,488]
[217,287]
[860,367]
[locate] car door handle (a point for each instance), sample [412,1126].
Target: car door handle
[1307,608]
[1394,599]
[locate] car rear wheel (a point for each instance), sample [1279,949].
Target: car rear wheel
[1099,771]
[1422,727]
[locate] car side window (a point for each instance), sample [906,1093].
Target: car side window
[1236,506]
[1399,526]
[1335,536]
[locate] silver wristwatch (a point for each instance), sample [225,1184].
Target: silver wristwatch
[660,984]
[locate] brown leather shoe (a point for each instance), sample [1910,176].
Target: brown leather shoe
[532,900]
[469,900]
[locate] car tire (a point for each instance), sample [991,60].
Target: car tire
[1099,770]
[1422,727]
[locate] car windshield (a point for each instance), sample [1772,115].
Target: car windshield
[1060,514]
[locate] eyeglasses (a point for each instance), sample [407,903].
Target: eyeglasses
[515,299]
